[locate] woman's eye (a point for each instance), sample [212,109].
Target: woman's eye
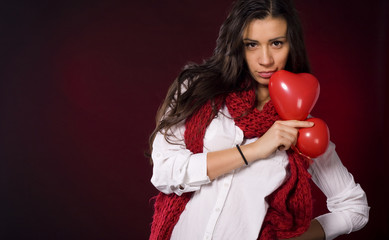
[251,45]
[277,44]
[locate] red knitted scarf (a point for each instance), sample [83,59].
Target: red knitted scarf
[290,206]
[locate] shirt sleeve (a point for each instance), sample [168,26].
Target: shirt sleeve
[346,200]
[175,168]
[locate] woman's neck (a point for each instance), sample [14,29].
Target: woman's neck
[262,96]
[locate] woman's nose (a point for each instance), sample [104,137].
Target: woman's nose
[265,57]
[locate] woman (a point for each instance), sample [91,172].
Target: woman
[222,158]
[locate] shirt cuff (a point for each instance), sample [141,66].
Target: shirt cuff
[197,170]
[333,222]
[196,174]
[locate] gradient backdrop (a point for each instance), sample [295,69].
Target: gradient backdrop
[81,81]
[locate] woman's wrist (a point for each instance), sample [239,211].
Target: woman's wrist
[252,152]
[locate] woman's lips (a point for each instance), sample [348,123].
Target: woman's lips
[266,74]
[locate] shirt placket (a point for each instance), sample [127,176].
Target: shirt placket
[221,199]
[222,196]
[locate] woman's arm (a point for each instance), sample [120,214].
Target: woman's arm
[346,200]
[178,170]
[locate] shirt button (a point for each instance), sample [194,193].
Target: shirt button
[158,155]
[226,185]
[217,209]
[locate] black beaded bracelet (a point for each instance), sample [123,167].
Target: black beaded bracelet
[240,151]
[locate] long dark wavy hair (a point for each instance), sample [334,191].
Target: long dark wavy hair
[226,70]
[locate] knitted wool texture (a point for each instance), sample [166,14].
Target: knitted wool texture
[290,206]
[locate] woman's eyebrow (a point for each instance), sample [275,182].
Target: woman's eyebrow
[277,38]
[270,40]
[249,40]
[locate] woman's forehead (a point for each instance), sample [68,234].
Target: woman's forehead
[265,29]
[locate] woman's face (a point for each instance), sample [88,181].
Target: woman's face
[266,47]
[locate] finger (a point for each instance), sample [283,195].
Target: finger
[286,142]
[282,148]
[297,124]
[282,129]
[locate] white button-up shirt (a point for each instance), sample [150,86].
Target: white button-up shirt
[234,205]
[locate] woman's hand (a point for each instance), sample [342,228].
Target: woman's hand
[314,232]
[282,135]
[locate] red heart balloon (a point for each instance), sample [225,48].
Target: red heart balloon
[293,95]
[313,141]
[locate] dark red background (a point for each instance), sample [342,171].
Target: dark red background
[81,82]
